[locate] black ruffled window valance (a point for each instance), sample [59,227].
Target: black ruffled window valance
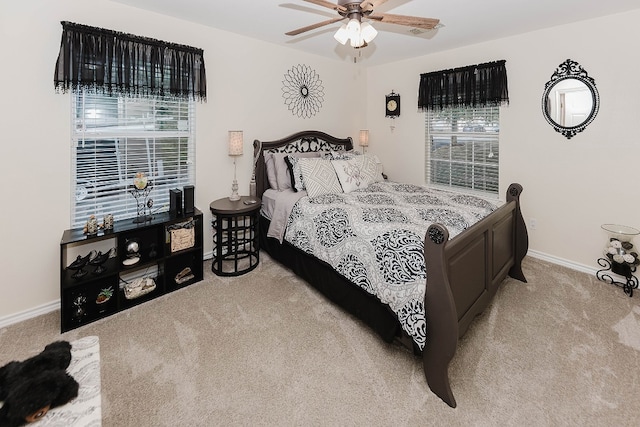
[475,85]
[111,62]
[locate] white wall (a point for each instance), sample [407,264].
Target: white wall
[571,187]
[244,92]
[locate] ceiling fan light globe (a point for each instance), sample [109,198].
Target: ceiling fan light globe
[367,32]
[353,26]
[357,40]
[342,35]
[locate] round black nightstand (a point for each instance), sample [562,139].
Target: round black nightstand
[236,249]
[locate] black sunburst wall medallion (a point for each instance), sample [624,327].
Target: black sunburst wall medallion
[302,91]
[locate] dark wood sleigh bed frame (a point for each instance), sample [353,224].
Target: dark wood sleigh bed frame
[463,273]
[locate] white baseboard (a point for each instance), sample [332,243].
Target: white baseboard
[563,262]
[47,308]
[29,314]
[55,305]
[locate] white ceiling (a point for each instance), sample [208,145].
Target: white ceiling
[464,22]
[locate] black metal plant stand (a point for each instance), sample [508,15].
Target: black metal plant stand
[622,269]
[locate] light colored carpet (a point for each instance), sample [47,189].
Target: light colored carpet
[267,349]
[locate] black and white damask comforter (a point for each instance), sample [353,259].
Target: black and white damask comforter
[374,238]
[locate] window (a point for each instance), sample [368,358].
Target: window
[462,148]
[114,137]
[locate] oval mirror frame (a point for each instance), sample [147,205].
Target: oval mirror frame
[570,70]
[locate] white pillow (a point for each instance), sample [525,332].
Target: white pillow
[271,170]
[379,169]
[319,176]
[358,172]
[342,155]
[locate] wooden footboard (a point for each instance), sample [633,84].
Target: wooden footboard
[463,274]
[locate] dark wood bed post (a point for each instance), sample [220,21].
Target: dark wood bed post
[442,334]
[444,324]
[259,168]
[522,237]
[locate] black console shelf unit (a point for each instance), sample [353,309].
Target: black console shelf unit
[82,293]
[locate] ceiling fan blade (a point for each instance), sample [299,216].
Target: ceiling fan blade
[410,21]
[309,9]
[313,26]
[371,4]
[328,4]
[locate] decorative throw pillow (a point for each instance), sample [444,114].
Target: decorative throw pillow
[319,177]
[379,175]
[342,155]
[356,173]
[297,180]
[283,176]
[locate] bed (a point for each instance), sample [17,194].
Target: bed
[463,274]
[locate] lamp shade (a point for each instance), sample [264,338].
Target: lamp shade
[236,142]
[364,138]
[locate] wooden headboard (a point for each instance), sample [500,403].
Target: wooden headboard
[300,142]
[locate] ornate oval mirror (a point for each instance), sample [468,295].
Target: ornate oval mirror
[570,100]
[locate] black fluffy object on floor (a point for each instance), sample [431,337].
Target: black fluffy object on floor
[31,387]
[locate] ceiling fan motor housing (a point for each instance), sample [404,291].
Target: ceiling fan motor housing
[353,10]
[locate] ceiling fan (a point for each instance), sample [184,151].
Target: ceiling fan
[360,33]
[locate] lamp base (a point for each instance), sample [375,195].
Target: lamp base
[234,197]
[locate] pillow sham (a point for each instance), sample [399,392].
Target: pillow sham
[283,176]
[297,180]
[319,176]
[357,173]
[341,155]
[379,175]
[271,170]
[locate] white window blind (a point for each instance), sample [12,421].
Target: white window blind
[116,137]
[462,149]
